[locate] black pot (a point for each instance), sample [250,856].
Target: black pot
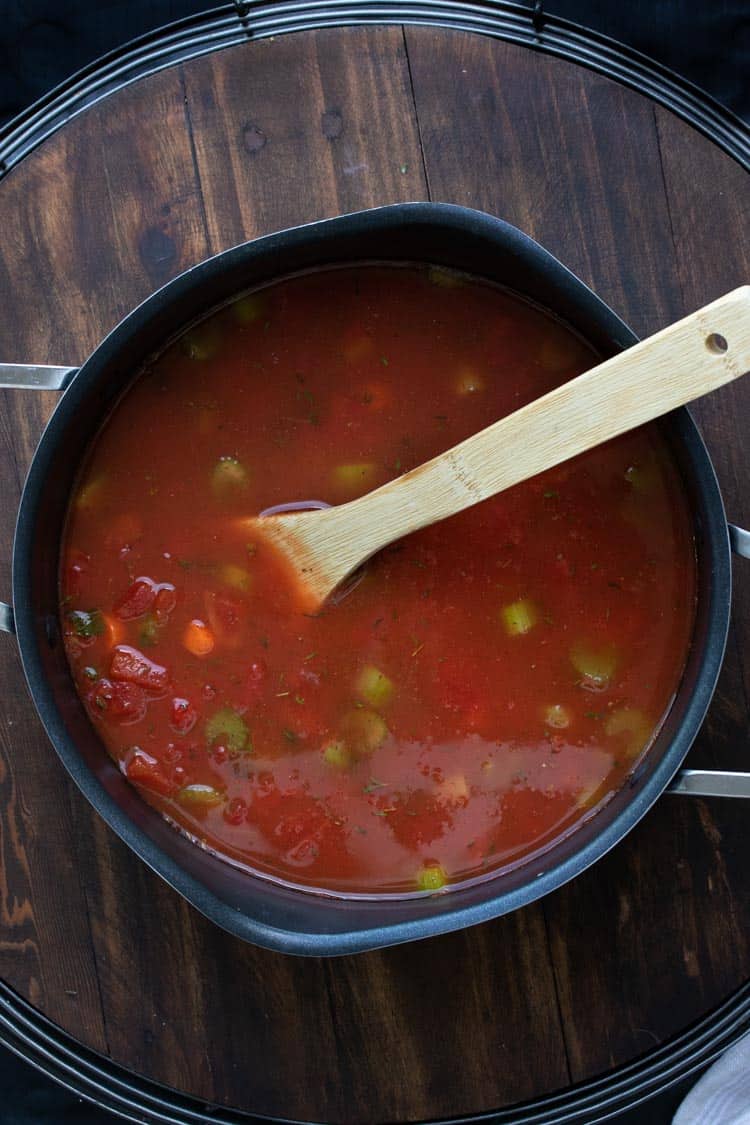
[249,906]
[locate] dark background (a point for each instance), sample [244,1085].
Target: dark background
[42,43]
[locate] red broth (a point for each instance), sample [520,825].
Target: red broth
[491,680]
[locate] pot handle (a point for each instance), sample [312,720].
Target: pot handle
[717,783]
[26,376]
[739,540]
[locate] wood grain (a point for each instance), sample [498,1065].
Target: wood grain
[198,158]
[313,125]
[75,256]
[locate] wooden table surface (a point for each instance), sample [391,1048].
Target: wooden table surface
[195,159]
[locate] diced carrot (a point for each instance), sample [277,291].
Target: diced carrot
[114,630]
[198,638]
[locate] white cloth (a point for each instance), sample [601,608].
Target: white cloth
[722,1096]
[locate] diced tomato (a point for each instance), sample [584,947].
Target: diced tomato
[137,599]
[165,601]
[147,772]
[131,666]
[119,702]
[184,716]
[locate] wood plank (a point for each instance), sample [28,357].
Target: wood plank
[566,155]
[576,161]
[94,220]
[684,864]
[352,1040]
[303,127]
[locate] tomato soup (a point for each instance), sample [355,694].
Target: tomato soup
[489,682]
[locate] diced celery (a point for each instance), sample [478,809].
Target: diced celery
[364,731]
[431,877]
[469,381]
[203,341]
[633,725]
[373,686]
[235,576]
[90,493]
[596,665]
[249,309]
[229,728]
[557,716]
[336,754]
[643,476]
[591,794]
[200,796]
[229,476]
[355,478]
[519,617]
[559,350]
[444,278]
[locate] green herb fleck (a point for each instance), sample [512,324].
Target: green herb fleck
[149,634]
[290,735]
[86,625]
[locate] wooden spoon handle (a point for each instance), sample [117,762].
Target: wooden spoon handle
[696,355]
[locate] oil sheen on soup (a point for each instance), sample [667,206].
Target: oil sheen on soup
[489,682]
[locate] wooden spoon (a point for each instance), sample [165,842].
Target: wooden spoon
[696,355]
